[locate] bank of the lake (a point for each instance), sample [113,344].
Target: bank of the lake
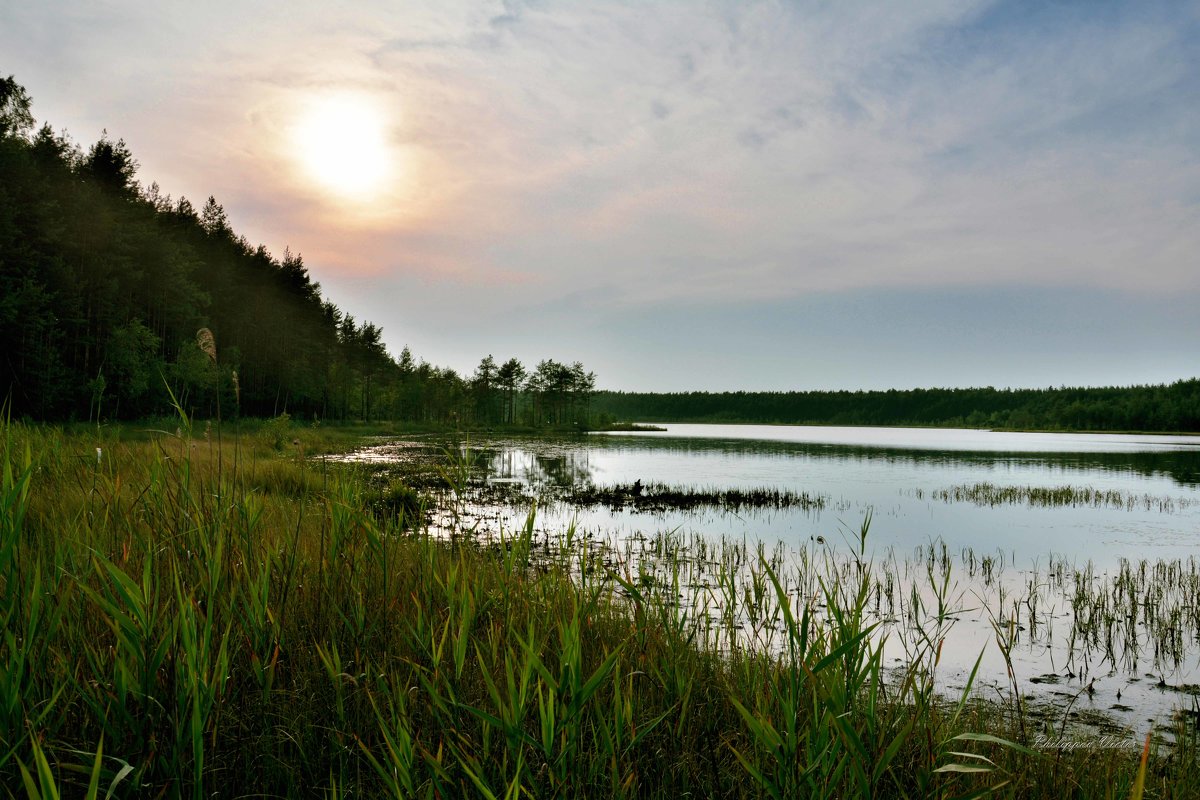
[205,611]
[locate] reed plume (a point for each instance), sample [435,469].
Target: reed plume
[207,344]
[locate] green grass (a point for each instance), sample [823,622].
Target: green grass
[225,616]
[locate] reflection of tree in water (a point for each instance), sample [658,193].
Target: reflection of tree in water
[1182,466]
[556,466]
[560,468]
[517,474]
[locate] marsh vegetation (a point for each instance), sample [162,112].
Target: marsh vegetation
[183,616]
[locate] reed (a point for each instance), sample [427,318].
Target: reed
[174,628]
[990,494]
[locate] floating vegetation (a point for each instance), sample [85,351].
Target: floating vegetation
[661,497]
[989,494]
[426,467]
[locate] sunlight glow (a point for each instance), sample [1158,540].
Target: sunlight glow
[340,140]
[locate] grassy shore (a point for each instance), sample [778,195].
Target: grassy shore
[199,612]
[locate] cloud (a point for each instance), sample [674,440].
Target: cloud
[846,144]
[817,149]
[621,157]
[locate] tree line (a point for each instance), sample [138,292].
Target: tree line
[1169,407]
[117,301]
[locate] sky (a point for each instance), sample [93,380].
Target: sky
[684,195]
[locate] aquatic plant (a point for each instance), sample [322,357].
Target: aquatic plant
[989,494]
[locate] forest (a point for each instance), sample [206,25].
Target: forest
[117,301]
[1173,407]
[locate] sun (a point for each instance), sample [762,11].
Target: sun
[341,142]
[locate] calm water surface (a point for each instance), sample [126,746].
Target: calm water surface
[893,473]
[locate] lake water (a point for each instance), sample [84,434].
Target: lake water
[893,474]
[969,493]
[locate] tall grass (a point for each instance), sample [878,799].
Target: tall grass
[172,627]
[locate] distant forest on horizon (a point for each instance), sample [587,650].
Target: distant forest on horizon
[117,301]
[1168,407]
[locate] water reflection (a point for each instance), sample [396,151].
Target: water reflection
[1180,465]
[1026,502]
[538,462]
[549,466]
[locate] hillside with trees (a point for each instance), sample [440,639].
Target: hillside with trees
[105,285]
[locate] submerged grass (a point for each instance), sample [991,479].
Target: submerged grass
[184,616]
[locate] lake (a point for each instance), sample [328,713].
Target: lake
[1062,520]
[892,473]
